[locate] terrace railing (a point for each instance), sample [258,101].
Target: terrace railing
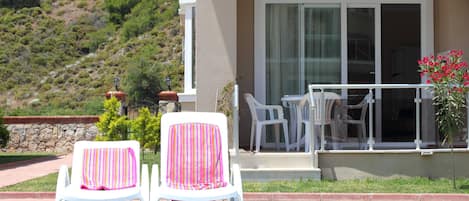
[236,120]
[372,89]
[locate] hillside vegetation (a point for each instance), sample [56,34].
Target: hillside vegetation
[62,56]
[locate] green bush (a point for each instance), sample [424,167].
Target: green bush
[19,3]
[60,12]
[146,129]
[118,9]
[82,4]
[100,37]
[143,82]
[4,133]
[140,20]
[111,125]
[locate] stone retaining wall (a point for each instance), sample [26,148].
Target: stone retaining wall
[48,133]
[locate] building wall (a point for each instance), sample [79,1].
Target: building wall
[215,49]
[187,106]
[451,27]
[391,164]
[245,65]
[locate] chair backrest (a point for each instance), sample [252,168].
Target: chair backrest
[252,102]
[180,138]
[330,99]
[364,104]
[82,148]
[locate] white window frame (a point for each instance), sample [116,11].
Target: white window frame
[427,34]
[187,7]
[188,38]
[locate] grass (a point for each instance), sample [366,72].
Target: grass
[14,157]
[397,185]
[47,183]
[42,184]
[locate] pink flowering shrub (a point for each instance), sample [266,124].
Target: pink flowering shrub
[450,76]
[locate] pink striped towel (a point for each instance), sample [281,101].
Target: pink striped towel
[195,157]
[109,169]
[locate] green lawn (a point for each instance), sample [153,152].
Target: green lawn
[398,185]
[6,157]
[42,184]
[47,183]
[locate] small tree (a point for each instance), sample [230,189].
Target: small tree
[111,125]
[143,82]
[449,75]
[146,129]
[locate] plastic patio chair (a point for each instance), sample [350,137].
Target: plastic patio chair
[275,117]
[194,159]
[94,169]
[303,116]
[361,126]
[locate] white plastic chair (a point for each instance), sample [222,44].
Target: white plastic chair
[257,123]
[303,116]
[71,189]
[361,126]
[173,125]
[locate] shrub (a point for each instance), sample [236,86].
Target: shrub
[4,133]
[146,129]
[140,20]
[100,37]
[19,3]
[143,82]
[118,9]
[111,125]
[82,4]
[60,12]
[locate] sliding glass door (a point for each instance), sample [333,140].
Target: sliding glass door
[302,47]
[321,46]
[282,51]
[346,42]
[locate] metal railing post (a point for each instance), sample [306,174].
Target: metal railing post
[371,100]
[322,108]
[236,119]
[312,117]
[417,101]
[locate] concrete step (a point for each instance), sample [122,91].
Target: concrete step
[269,166]
[249,160]
[279,174]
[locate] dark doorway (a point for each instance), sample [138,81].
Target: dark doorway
[400,28]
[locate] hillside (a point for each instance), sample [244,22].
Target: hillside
[62,56]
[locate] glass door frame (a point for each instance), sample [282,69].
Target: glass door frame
[427,39]
[302,47]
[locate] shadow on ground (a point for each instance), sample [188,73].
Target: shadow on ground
[9,162]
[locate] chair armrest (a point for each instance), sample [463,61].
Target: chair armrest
[353,106]
[145,183]
[237,183]
[155,183]
[63,180]
[268,107]
[271,109]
